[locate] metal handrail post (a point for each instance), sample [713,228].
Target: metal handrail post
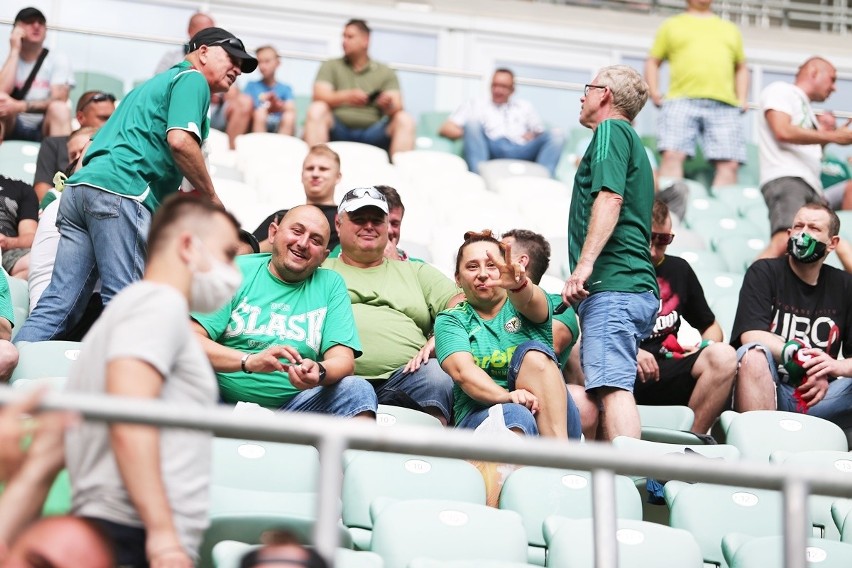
[603,512]
[326,535]
[796,527]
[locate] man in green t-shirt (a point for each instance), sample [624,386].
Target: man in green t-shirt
[287,339]
[140,156]
[613,283]
[395,305]
[357,99]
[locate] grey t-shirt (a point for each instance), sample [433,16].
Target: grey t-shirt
[148,322]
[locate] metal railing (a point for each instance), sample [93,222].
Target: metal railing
[332,436]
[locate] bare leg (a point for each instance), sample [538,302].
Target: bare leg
[401,131]
[754,388]
[588,407]
[57,119]
[237,115]
[620,415]
[22,267]
[671,165]
[573,371]
[726,172]
[317,123]
[288,122]
[847,196]
[258,119]
[436,412]
[714,370]
[541,376]
[844,253]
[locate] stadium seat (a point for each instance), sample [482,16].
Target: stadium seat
[749,172]
[686,239]
[20,295]
[739,197]
[710,512]
[259,153]
[718,283]
[493,171]
[725,309]
[387,415]
[819,505]
[219,149]
[841,513]
[366,175]
[738,252]
[531,187]
[354,154]
[743,551]
[760,432]
[429,563]
[570,543]
[699,258]
[370,475]
[668,424]
[418,163]
[228,553]
[243,201]
[535,493]
[18,159]
[94,81]
[845,223]
[45,361]
[714,228]
[445,530]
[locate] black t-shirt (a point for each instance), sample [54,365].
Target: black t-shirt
[262,231]
[52,158]
[774,299]
[18,201]
[681,296]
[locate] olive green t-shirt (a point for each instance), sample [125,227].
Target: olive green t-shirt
[374,77]
[615,161]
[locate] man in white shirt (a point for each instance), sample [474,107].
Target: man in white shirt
[502,127]
[790,144]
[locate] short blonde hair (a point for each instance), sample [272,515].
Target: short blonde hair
[629,89]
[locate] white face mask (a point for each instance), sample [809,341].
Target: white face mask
[212,288]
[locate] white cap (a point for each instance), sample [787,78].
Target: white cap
[359,197]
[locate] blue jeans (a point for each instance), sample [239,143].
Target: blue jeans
[374,135]
[517,415]
[545,149]
[347,397]
[613,324]
[429,386]
[835,407]
[101,235]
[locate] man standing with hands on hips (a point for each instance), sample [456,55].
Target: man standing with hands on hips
[612,283]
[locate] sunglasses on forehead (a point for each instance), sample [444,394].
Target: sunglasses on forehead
[232,41]
[362,191]
[662,239]
[98,98]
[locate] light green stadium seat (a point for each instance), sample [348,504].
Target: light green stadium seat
[570,543]
[743,551]
[699,258]
[758,215]
[715,229]
[738,252]
[45,360]
[536,493]
[841,513]
[229,553]
[20,294]
[718,283]
[429,563]
[18,159]
[725,309]
[845,223]
[94,81]
[371,475]
[399,416]
[710,512]
[428,138]
[749,172]
[668,424]
[445,530]
[739,197]
[819,505]
[760,432]
[701,207]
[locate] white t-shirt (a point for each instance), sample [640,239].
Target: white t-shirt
[43,253]
[56,70]
[781,159]
[149,322]
[510,120]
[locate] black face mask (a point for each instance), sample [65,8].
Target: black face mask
[805,248]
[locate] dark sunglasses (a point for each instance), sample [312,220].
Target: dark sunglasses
[232,41]
[98,98]
[662,239]
[359,192]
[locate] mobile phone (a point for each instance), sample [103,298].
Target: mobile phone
[371,98]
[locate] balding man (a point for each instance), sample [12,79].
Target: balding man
[287,339]
[137,158]
[790,143]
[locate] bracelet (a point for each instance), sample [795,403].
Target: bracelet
[521,287]
[243,362]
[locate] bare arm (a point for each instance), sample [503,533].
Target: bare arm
[26,233]
[137,454]
[390,102]
[189,159]
[714,332]
[652,77]
[562,336]
[783,129]
[325,92]
[10,66]
[451,130]
[741,77]
[473,380]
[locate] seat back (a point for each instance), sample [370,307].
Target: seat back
[399,416]
[760,432]
[742,551]
[45,360]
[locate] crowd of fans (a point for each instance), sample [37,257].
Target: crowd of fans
[326,313]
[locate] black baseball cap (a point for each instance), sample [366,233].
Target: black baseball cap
[227,41]
[28,14]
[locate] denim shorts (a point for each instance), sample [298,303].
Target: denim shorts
[613,324]
[835,407]
[719,126]
[517,415]
[374,135]
[24,130]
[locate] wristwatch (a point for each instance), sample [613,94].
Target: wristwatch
[321,373]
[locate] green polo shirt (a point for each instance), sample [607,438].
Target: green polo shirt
[373,77]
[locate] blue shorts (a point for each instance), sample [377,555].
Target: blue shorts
[719,127]
[835,407]
[429,386]
[517,415]
[29,132]
[347,397]
[374,135]
[613,325]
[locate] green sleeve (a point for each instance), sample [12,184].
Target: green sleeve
[339,328]
[326,74]
[216,323]
[450,335]
[437,288]
[185,113]
[392,82]
[6,309]
[610,157]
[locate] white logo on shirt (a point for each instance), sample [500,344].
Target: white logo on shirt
[306,327]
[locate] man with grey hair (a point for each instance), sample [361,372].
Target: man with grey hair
[613,284]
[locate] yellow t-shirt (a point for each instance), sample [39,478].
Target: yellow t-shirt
[703,52]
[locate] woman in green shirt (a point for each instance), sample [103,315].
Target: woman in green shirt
[498,345]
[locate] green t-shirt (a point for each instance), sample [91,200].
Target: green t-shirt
[7,311]
[373,77]
[615,160]
[834,171]
[335,252]
[703,53]
[491,342]
[130,154]
[395,305]
[569,319]
[312,316]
